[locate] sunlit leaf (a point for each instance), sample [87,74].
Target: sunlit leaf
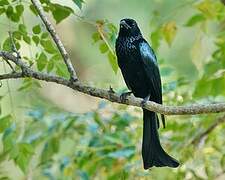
[19,9]
[155,39]
[197,53]
[61,70]
[96,37]
[48,46]
[169,31]
[50,66]
[60,12]
[103,48]
[208,8]
[36,29]
[50,148]
[113,61]
[36,40]
[42,61]
[44,35]
[22,28]
[2,10]
[27,39]
[195,19]
[7,46]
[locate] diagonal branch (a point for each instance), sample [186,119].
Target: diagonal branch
[205,133]
[108,94]
[56,39]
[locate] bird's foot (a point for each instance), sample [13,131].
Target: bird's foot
[111,90]
[123,96]
[145,100]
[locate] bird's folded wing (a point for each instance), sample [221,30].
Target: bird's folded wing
[152,71]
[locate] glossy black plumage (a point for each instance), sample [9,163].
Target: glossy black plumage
[139,67]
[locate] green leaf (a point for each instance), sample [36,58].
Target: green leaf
[222,161]
[42,61]
[5,122]
[208,8]
[32,8]
[27,39]
[50,66]
[9,139]
[36,29]
[113,61]
[4,2]
[15,17]
[36,40]
[155,39]
[26,85]
[17,35]
[50,148]
[195,19]
[169,31]
[48,46]
[78,3]
[9,12]
[17,44]
[22,28]
[96,37]
[60,12]
[44,35]
[112,27]
[103,48]
[22,162]
[26,148]
[211,87]
[22,155]
[197,53]
[19,9]
[61,70]
[7,45]
[56,57]
[2,10]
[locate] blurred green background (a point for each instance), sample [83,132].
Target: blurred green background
[52,132]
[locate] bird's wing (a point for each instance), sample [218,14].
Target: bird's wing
[150,64]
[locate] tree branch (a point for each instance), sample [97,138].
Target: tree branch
[56,39]
[216,123]
[108,94]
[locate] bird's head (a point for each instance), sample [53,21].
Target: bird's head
[128,28]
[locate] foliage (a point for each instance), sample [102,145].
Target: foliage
[105,142]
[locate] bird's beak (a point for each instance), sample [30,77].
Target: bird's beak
[124,24]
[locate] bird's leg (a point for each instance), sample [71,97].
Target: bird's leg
[111,90]
[163,120]
[123,96]
[145,100]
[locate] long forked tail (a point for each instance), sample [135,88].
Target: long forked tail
[152,151]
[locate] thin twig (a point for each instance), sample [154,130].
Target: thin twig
[108,95]
[10,65]
[99,29]
[202,135]
[56,39]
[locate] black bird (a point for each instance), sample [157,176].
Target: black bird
[139,67]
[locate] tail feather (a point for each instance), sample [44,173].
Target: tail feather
[152,151]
